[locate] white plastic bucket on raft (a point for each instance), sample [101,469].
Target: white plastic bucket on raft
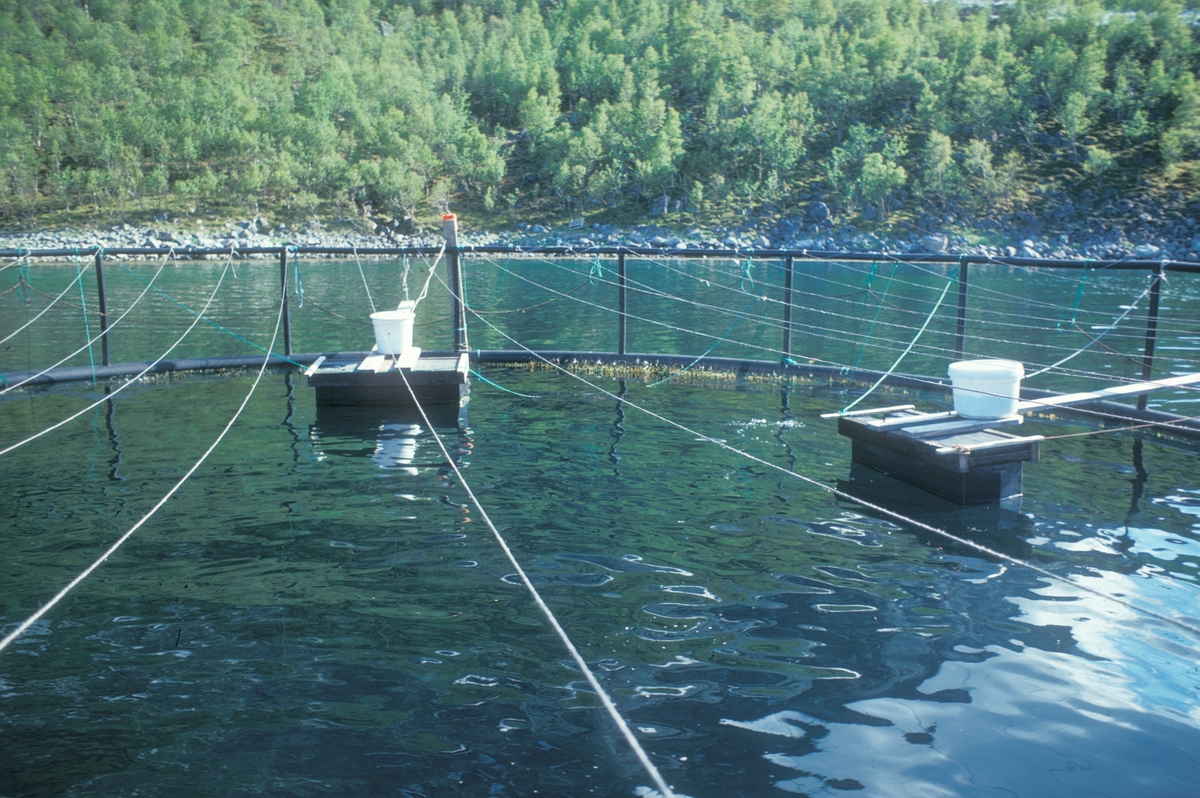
[394,329]
[986,388]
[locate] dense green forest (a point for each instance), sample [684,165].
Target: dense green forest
[602,106]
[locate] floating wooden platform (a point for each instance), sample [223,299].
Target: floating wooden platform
[379,380]
[969,461]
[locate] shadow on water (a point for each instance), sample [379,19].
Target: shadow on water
[1000,527]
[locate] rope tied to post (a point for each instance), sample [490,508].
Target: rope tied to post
[746,276]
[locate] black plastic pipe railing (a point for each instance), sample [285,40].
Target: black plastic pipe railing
[1158,268]
[1161,424]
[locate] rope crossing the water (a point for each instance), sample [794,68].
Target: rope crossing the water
[638,751]
[91,341]
[907,349]
[32,619]
[1195,630]
[140,374]
[366,288]
[931,382]
[1132,305]
[212,323]
[70,285]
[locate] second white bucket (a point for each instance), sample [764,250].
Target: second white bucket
[986,388]
[394,329]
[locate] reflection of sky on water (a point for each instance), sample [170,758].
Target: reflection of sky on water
[1038,724]
[1117,717]
[397,447]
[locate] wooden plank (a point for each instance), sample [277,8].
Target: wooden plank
[996,444]
[959,426]
[409,358]
[872,411]
[1132,389]
[373,363]
[885,424]
[316,364]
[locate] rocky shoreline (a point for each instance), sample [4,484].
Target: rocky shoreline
[1121,228]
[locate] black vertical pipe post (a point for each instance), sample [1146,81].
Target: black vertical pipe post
[102,296]
[1151,331]
[287,317]
[960,338]
[621,303]
[458,314]
[788,270]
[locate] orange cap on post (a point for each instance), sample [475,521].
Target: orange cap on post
[448,217]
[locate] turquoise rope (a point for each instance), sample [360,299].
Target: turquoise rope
[596,273]
[86,328]
[501,387]
[907,349]
[1067,324]
[23,277]
[214,324]
[299,290]
[871,328]
[746,278]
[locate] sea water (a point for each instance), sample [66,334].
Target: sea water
[320,610]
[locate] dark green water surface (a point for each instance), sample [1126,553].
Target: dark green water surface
[318,611]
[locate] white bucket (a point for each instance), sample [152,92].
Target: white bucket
[394,329]
[986,388]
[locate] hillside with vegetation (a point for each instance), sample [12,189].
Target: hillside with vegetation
[613,109]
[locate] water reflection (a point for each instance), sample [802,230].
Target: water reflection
[395,439]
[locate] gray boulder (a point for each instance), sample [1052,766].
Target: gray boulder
[935,242]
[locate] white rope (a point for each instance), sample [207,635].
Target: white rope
[53,302]
[638,751]
[15,261]
[877,342]
[425,289]
[849,496]
[97,338]
[1093,340]
[139,375]
[921,331]
[32,619]
[364,278]
[930,382]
